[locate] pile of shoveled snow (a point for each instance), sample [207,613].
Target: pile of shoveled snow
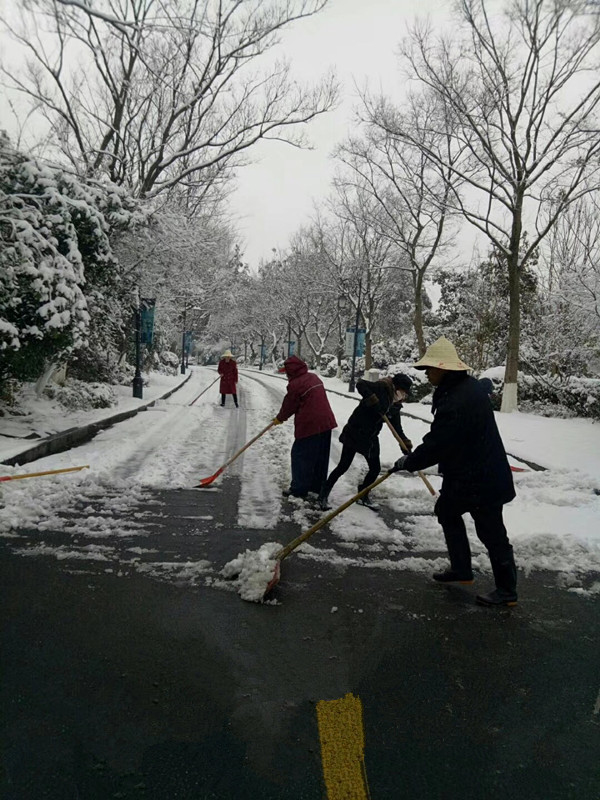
[252,571]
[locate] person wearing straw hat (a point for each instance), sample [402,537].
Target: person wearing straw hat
[227,369]
[477,479]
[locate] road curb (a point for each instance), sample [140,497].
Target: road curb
[64,440]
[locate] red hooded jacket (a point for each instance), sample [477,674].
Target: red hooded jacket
[229,376]
[306,398]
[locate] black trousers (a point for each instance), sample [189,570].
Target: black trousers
[223,396]
[348,453]
[489,527]
[310,461]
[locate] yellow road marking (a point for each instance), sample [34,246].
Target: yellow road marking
[343,748]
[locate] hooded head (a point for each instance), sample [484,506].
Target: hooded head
[441,355]
[293,367]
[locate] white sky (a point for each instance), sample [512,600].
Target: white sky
[359,39]
[552,523]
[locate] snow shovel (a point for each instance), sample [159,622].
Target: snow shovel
[284,552]
[204,390]
[207,481]
[38,474]
[405,450]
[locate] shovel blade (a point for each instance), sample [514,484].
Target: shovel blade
[274,580]
[207,481]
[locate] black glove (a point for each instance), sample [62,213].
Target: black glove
[399,464]
[409,445]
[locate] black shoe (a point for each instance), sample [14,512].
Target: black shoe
[451,576]
[323,503]
[367,503]
[286,493]
[497,597]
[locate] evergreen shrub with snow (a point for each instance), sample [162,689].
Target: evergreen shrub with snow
[58,278]
[79,395]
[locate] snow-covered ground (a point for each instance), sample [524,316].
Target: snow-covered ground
[553,523]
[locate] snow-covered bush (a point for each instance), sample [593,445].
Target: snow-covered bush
[328,366]
[550,395]
[43,311]
[166,362]
[79,396]
[58,277]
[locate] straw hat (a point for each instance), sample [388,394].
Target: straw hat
[227,354]
[441,354]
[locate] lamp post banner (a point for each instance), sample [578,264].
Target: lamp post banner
[147,320]
[187,342]
[360,342]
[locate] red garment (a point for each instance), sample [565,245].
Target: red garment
[229,376]
[306,398]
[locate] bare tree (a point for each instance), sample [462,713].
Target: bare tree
[411,190]
[522,89]
[368,263]
[159,94]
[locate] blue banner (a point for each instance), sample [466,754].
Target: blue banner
[187,342]
[147,320]
[360,342]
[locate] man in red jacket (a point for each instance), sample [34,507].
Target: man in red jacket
[306,400]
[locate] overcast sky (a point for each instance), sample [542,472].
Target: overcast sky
[359,38]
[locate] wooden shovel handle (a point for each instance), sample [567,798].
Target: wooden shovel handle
[38,474]
[405,449]
[204,390]
[247,445]
[304,536]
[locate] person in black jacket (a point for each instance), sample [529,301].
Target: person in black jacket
[361,432]
[477,479]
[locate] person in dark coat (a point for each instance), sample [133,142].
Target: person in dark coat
[477,479]
[306,400]
[361,432]
[227,369]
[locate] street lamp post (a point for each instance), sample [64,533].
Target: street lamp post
[138,381]
[352,384]
[183,339]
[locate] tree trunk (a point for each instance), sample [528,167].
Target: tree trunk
[509,393]
[418,315]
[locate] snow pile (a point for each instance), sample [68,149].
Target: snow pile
[252,571]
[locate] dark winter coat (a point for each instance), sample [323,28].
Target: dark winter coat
[465,442]
[229,376]
[365,422]
[306,400]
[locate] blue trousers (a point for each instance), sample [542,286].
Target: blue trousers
[310,462]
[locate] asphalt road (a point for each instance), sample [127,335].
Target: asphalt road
[122,685]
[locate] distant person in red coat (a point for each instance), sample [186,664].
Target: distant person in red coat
[227,369]
[306,400]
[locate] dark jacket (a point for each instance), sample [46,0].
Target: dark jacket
[365,422]
[229,376]
[306,398]
[465,442]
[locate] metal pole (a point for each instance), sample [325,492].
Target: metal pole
[352,384]
[289,338]
[138,381]
[183,340]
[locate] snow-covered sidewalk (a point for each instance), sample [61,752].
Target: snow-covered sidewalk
[40,417]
